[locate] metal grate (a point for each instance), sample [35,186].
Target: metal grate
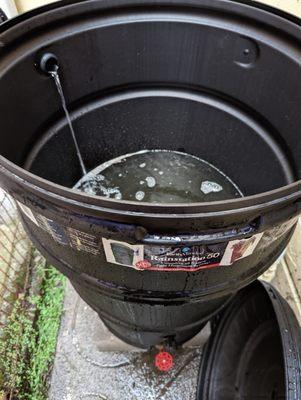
[15,253]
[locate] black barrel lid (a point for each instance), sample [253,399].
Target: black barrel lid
[254,351]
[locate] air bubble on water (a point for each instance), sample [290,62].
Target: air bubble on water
[189,181]
[89,190]
[142,165]
[155,169]
[161,172]
[140,195]
[120,175]
[93,178]
[151,181]
[210,187]
[111,191]
[142,182]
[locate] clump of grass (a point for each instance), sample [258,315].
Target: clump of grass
[28,343]
[14,345]
[49,309]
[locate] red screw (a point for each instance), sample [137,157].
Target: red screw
[164,361]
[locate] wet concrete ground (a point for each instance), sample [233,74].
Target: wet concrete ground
[92,364]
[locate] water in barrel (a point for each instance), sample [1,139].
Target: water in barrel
[159,176]
[152,176]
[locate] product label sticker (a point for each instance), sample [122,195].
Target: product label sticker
[238,249]
[122,253]
[178,258]
[276,232]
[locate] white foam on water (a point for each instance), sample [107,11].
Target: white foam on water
[93,185]
[210,187]
[151,181]
[139,195]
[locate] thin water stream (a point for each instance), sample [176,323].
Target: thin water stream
[57,80]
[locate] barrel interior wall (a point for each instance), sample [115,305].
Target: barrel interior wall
[202,85]
[170,120]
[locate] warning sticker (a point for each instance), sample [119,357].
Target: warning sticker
[178,258]
[65,236]
[83,241]
[55,230]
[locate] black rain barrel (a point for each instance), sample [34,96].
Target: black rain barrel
[216,79]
